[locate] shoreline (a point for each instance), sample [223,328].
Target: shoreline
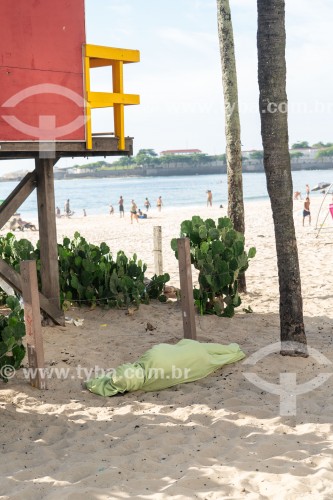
[176,170]
[95,196]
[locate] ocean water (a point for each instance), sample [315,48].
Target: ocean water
[95,195]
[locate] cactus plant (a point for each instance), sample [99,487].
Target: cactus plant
[218,253]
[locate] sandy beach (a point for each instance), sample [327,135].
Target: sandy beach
[221,437]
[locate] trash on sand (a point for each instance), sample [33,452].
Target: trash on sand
[74,321]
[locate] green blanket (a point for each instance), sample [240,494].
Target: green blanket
[166,365]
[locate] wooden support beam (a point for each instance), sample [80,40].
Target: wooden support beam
[158,257]
[101,146]
[47,230]
[17,197]
[10,276]
[118,109]
[6,288]
[33,324]
[186,288]
[102,55]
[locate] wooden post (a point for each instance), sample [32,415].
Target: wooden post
[32,324]
[47,230]
[118,109]
[186,288]
[158,257]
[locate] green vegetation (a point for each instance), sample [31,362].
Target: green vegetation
[217,252]
[256,155]
[296,154]
[301,145]
[13,251]
[95,165]
[317,145]
[88,274]
[147,157]
[325,152]
[320,145]
[12,331]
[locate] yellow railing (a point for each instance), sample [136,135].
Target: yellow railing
[96,56]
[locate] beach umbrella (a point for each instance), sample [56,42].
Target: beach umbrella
[320,186]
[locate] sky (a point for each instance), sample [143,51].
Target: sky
[179,76]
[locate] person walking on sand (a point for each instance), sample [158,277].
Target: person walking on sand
[306,211]
[159,203]
[121,206]
[307,190]
[134,210]
[209,198]
[147,204]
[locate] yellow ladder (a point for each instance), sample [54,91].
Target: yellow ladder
[96,56]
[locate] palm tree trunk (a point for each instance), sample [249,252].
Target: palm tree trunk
[232,122]
[271,42]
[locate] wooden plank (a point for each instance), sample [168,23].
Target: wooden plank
[32,324]
[47,230]
[158,257]
[17,197]
[101,146]
[10,276]
[186,288]
[6,288]
[108,99]
[88,108]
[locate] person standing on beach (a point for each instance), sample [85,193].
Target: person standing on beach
[67,208]
[209,198]
[306,211]
[147,204]
[121,206]
[134,210]
[159,203]
[307,190]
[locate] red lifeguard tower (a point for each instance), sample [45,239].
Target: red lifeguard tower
[46,102]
